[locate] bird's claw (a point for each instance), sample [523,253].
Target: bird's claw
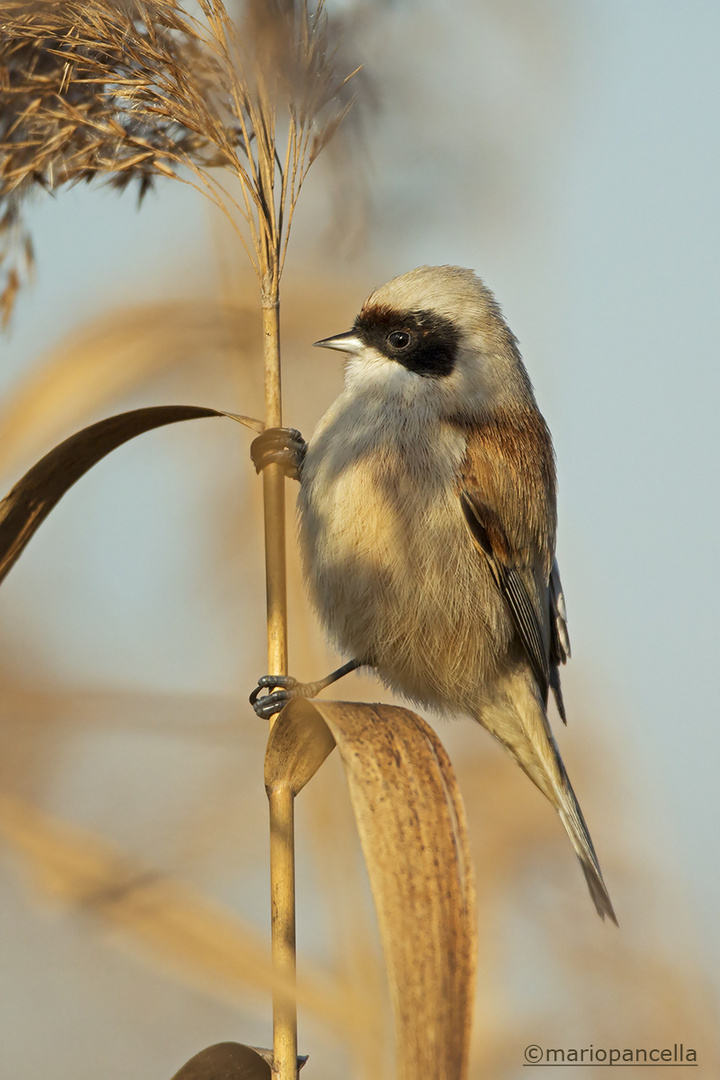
[279,446]
[269,704]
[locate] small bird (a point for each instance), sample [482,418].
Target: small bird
[427,523]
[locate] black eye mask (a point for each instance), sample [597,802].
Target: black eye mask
[422,341]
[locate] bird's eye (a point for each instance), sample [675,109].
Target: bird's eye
[399,339]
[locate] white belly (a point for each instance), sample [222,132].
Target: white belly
[391,567]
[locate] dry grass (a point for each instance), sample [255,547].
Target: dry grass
[129,90]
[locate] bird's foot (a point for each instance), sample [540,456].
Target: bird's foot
[269,704]
[279,446]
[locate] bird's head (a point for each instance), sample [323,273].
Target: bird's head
[435,336]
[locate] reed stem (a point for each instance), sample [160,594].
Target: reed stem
[274,500]
[282,893]
[281,805]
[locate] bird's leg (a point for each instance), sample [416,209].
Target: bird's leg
[267,705]
[279,446]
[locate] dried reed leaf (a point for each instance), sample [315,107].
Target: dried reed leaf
[412,828]
[298,744]
[231,1061]
[228,1061]
[27,505]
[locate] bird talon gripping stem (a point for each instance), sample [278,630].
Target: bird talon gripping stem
[279,446]
[269,704]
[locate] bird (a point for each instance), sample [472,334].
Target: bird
[427,525]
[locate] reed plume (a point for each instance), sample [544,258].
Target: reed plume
[129,90]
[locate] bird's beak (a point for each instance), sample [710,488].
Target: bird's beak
[348,342]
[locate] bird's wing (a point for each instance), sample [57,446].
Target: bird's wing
[506,487]
[489,536]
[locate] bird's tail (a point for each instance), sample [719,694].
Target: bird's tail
[521,724]
[572,818]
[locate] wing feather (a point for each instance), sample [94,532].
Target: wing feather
[513,588]
[507,493]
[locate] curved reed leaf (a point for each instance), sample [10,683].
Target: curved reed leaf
[27,505]
[229,1060]
[411,822]
[298,744]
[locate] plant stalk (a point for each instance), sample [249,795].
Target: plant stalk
[282,893]
[274,500]
[281,806]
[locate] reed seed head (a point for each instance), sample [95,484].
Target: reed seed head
[129,90]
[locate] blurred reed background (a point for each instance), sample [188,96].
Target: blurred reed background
[566,154]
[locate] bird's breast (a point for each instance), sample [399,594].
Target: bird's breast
[387,555]
[379,499]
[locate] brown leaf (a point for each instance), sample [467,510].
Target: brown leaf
[412,828]
[228,1061]
[27,505]
[298,743]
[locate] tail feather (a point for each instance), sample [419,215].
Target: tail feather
[598,891]
[519,720]
[574,822]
